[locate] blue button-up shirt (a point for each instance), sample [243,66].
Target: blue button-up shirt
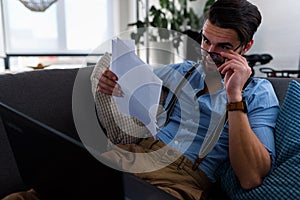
[194,117]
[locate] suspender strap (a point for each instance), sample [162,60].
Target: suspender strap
[197,163]
[198,159]
[174,98]
[247,83]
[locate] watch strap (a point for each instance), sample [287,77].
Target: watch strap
[237,106]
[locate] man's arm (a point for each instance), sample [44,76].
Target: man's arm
[249,158]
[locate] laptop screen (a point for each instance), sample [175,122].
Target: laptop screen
[55,165]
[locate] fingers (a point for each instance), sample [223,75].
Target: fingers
[108,83]
[236,63]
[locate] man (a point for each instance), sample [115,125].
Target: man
[247,138]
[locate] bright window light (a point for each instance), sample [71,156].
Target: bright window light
[67,26]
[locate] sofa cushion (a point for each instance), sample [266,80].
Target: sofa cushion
[287,128]
[280,86]
[284,181]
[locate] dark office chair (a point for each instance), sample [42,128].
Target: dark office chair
[257,59]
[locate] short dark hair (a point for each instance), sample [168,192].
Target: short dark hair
[239,15]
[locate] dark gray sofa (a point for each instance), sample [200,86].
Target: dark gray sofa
[46,95]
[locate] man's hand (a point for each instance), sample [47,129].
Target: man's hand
[237,72]
[108,83]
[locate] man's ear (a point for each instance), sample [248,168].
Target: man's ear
[248,46]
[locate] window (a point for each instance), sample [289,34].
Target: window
[65,29]
[66,26]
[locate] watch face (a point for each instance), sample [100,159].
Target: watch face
[245,105]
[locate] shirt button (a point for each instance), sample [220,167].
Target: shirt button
[176,142]
[196,107]
[170,152]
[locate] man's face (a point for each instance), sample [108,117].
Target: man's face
[214,41]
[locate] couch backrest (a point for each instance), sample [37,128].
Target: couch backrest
[280,86]
[45,95]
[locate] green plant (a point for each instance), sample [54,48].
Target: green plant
[174,15]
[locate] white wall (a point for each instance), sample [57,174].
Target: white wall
[279,33]
[2,42]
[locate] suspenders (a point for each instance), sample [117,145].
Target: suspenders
[174,99]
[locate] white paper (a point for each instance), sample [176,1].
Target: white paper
[141,87]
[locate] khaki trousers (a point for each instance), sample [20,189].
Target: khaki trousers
[176,175]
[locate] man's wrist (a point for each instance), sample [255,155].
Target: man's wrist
[234,95]
[235,98]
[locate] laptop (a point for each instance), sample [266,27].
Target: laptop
[59,167]
[55,165]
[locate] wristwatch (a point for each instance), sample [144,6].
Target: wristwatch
[237,106]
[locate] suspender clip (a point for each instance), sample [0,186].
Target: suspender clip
[197,163]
